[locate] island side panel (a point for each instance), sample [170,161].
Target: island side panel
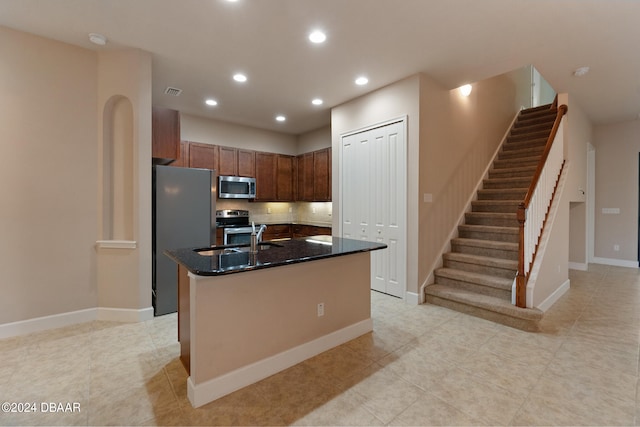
[184,330]
[242,318]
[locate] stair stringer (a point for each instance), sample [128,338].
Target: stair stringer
[446,247]
[541,260]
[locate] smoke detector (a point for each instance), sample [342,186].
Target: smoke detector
[173,91]
[579,72]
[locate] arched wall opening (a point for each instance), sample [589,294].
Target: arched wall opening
[118,170]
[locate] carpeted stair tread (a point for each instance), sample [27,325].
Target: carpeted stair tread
[531,127]
[498,219]
[522,152]
[495,205]
[482,260]
[485,302]
[487,244]
[489,229]
[515,162]
[519,145]
[475,278]
[526,171]
[528,136]
[512,182]
[502,194]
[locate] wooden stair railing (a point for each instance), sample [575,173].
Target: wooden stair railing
[525,261]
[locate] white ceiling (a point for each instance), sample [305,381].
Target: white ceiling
[198,44]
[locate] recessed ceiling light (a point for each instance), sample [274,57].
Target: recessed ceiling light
[317,101]
[211,102]
[361,81]
[465,90]
[281,118]
[98,39]
[317,36]
[579,72]
[239,77]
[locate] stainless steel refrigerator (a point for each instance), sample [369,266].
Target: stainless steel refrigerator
[184,215]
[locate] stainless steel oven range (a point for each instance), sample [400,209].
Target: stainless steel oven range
[235,226]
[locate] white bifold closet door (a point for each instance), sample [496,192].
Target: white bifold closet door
[373,200]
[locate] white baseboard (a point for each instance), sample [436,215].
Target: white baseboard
[581,266]
[128,315]
[38,324]
[61,320]
[208,391]
[615,262]
[555,296]
[412,298]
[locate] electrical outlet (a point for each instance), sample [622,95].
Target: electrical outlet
[268,210]
[616,248]
[320,309]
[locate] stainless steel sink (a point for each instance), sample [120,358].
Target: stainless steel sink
[218,251]
[225,250]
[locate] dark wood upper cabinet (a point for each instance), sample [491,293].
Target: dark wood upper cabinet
[314,176]
[322,175]
[203,156]
[266,166]
[246,163]
[165,134]
[183,160]
[228,161]
[305,177]
[284,178]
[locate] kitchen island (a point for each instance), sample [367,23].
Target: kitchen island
[243,316]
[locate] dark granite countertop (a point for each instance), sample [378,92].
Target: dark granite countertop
[225,260]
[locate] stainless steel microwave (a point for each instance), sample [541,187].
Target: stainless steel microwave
[236,187]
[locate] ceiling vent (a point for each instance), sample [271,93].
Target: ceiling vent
[173,91]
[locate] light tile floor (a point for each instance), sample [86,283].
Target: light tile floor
[423,365]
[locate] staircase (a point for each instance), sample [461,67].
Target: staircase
[478,274]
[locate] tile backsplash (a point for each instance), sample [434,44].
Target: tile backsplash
[312,213]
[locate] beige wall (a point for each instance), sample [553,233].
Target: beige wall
[551,267]
[391,102]
[577,233]
[567,239]
[210,131]
[450,142]
[124,275]
[314,140]
[458,137]
[48,219]
[616,175]
[578,135]
[240,319]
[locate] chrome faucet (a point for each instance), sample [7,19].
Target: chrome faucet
[260,231]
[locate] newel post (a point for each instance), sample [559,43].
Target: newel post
[521,279]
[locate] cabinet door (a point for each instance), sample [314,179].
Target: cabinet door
[165,133]
[284,178]
[247,163]
[321,180]
[183,160]
[279,231]
[203,156]
[305,177]
[266,176]
[228,161]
